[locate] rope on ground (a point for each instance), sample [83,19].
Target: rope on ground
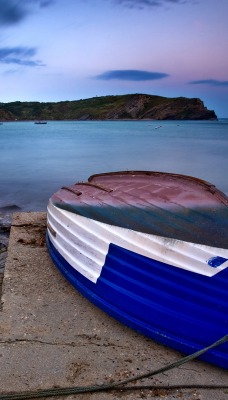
[118,385]
[3,250]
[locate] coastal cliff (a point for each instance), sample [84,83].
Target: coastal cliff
[125,107]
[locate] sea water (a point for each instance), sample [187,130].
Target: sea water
[36,160]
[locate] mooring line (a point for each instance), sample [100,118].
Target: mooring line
[118,385]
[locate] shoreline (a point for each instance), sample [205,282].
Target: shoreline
[6,214]
[115,120]
[52,336]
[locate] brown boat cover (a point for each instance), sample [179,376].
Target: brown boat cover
[165,204]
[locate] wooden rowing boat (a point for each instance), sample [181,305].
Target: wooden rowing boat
[150,249]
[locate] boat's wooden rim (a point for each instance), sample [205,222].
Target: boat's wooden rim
[209,186]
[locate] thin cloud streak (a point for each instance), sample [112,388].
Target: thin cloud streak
[19,56]
[141,4]
[211,82]
[131,75]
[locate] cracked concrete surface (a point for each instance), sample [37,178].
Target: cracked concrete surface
[51,336]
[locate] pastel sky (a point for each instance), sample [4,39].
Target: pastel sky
[56,50]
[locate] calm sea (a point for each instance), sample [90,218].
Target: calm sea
[36,160]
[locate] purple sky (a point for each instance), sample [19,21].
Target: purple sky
[55,50]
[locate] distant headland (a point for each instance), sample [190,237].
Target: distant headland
[123,107]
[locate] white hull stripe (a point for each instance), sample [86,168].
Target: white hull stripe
[84,243]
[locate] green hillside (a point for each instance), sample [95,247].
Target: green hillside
[131,106]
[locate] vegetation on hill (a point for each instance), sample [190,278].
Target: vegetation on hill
[131,106]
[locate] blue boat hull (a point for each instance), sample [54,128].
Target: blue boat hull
[175,307]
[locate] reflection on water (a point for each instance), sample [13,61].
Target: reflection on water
[36,160]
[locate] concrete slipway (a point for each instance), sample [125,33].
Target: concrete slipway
[51,336]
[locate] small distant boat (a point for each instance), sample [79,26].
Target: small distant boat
[40,122]
[150,249]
